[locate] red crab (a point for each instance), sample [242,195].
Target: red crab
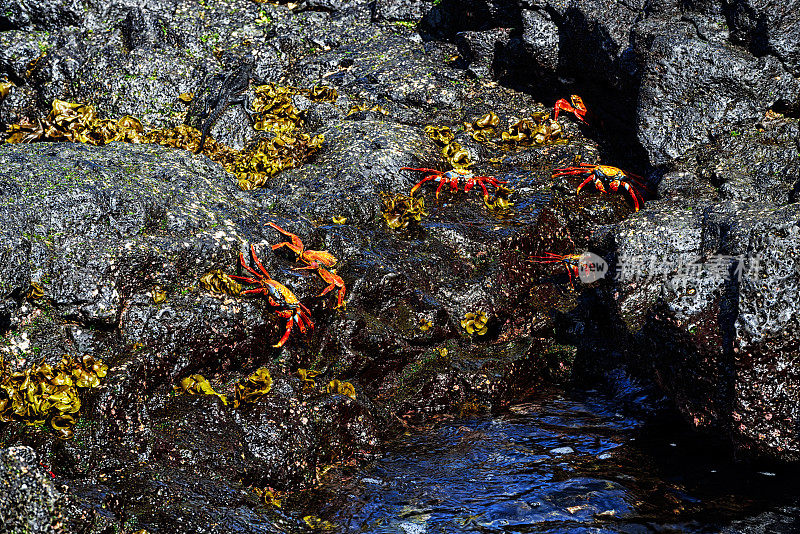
[451,177]
[334,281]
[572,263]
[312,258]
[577,108]
[278,295]
[605,175]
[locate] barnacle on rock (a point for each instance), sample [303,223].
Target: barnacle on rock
[475,323]
[217,281]
[198,385]
[46,394]
[343,388]
[400,210]
[253,387]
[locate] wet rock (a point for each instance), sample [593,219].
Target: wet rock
[401,10]
[697,291]
[29,501]
[33,15]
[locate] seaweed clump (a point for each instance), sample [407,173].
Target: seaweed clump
[44,394]
[78,123]
[218,282]
[286,148]
[401,211]
[247,390]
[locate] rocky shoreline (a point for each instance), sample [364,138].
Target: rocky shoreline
[105,246]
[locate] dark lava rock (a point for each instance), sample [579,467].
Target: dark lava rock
[683,101]
[705,302]
[29,501]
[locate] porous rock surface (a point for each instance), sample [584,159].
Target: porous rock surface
[29,500]
[678,94]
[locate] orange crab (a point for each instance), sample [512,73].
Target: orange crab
[605,175]
[334,281]
[278,295]
[312,258]
[577,108]
[451,177]
[572,262]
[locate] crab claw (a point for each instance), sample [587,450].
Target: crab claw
[577,108]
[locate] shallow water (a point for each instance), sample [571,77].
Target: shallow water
[559,465]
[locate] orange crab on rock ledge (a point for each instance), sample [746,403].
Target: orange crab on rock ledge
[606,175]
[451,177]
[278,296]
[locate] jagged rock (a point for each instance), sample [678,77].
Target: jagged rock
[768,27]
[683,101]
[402,10]
[707,291]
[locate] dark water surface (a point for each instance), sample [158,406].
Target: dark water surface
[558,464]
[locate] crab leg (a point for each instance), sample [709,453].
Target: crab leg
[614,186]
[248,269]
[295,246]
[427,178]
[586,181]
[282,340]
[442,181]
[258,262]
